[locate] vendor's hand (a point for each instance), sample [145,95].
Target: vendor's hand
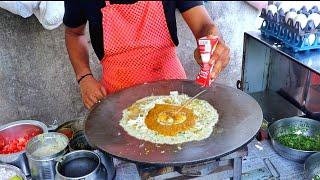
[220,58]
[91,91]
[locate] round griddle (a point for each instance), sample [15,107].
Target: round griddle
[240,118]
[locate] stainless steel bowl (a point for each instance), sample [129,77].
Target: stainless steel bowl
[15,169]
[15,130]
[80,165]
[312,166]
[309,127]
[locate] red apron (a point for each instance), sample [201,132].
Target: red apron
[137,45]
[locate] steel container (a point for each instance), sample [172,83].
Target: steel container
[15,130]
[54,146]
[15,169]
[305,126]
[312,166]
[80,164]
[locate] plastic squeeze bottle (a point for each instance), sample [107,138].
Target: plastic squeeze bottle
[206,45]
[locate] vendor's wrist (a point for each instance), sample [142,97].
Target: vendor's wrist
[84,76]
[81,73]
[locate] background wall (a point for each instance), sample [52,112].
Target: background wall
[38,82]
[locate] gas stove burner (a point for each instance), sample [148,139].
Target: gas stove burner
[225,167]
[200,169]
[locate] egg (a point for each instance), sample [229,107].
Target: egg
[309,5]
[314,9]
[315,17]
[284,6]
[293,9]
[302,19]
[290,15]
[273,8]
[311,38]
[303,5]
[141,120]
[304,9]
[296,6]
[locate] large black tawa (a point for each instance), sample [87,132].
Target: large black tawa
[240,118]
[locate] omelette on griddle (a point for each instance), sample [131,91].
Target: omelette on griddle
[159,119]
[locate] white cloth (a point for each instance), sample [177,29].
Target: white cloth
[49,13]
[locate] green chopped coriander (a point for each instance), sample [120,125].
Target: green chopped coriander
[299,142]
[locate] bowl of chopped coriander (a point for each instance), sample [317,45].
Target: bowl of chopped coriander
[312,167]
[295,138]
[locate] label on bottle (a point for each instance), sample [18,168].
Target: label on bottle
[206,48]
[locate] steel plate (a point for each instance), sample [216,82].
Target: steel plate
[240,118]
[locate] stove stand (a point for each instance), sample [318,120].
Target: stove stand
[229,166]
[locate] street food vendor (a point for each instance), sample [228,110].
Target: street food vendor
[135,42]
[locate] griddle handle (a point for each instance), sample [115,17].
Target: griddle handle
[239,84]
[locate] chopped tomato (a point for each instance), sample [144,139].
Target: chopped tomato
[18,144]
[2,142]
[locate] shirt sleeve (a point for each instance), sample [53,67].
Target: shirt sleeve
[186,5]
[74,15]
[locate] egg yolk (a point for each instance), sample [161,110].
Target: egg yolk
[165,119]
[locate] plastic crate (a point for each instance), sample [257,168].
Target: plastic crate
[290,34]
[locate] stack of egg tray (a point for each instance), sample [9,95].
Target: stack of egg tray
[290,34]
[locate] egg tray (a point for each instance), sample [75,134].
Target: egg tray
[293,36]
[279,19]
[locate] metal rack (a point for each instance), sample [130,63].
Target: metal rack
[229,166]
[285,83]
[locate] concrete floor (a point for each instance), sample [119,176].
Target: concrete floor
[38,82]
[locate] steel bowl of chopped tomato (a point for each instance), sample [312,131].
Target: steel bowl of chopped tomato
[14,137]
